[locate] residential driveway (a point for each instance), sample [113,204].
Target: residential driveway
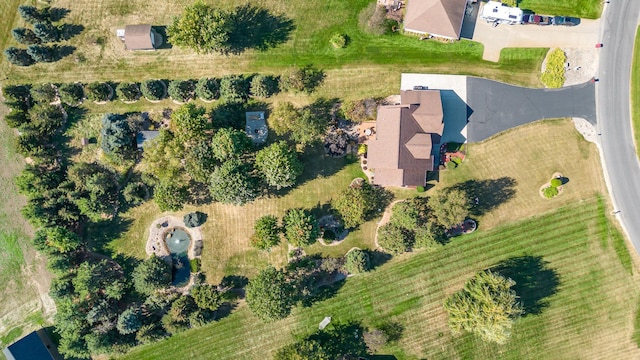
[495,107]
[495,39]
[476,109]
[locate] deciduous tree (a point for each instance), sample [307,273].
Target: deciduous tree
[202,28]
[450,207]
[270,296]
[486,306]
[231,183]
[356,204]
[279,165]
[300,227]
[170,196]
[266,232]
[189,122]
[229,143]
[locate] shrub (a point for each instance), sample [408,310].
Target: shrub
[264,86]
[556,182]
[25,36]
[550,192]
[339,40]
[194,265]
[512,3]
[553,76]
[451,165]
[266,232]
[304,79]
[153,89]
[356,261]
[71,94]
[234,88]
[181,90]
[420,189]
[394,239]
[208,89]
[45,93]
[41,53]
[135,193]
[98,91]
[362,149]
[19,57]
[360,110]
[46,32]
[194,219]
[127,91]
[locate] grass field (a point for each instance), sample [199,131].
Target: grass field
[585,315]
[589,9]
[101,56]
[635,91]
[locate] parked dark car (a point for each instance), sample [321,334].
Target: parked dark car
[536,19]
[565,21]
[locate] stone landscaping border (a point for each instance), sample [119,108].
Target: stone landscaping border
[155,242]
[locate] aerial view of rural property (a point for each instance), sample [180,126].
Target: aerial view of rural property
[319,179]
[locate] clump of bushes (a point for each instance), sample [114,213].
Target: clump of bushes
[45,93]
[194,264]
[208,89]
[555,182]
[553,76]
[71,94]
[182,90]
[550,191]
[153,89]
[194,219]
[339,40]
[98,91]
[127,91]
[304,79]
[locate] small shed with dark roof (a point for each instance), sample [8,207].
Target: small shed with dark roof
[35,346]
[141,37]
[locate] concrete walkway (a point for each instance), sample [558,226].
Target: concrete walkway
[494,39]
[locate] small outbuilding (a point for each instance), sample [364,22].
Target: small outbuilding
[144,136]
[256,126]
[140,37]
[35,346]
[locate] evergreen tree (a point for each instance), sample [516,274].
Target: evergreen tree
[19,57]
[25,36]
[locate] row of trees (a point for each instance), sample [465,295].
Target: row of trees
[299,227]
[45,30]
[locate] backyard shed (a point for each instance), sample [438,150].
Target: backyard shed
[256,126]
[441,18]
[141,37]
[35,346]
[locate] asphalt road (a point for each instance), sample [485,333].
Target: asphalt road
[495,106]
[619,23]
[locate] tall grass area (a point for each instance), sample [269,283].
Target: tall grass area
[635,91]
[587,316]
[588,9]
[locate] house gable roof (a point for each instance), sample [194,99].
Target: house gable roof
[138,37]
[32,347]
[437,17]
[400,154]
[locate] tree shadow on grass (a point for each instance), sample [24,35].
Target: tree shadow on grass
[490,193]
[377,258]
[100,234]
[257,28]
[535,282]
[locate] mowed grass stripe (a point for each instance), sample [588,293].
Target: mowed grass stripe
[425,278]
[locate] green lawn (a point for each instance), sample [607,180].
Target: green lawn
[635,91]
[101,56]
[586,314]
[588,9]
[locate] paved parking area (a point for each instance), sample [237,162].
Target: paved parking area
[494,39]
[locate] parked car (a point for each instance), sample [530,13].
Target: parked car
[536,19]
[565,21]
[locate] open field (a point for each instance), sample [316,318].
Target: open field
[635,92]
[585,313]
[589,9]
[101,56]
